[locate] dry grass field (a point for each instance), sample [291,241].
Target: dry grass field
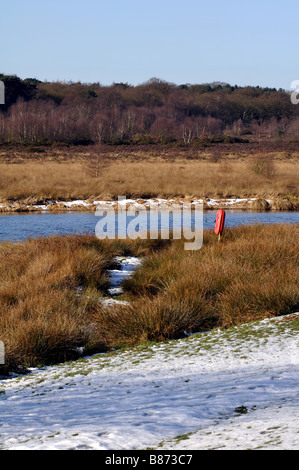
[35,175]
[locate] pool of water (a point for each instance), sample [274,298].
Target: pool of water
[19,227]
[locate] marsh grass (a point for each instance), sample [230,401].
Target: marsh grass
[50,290]
[252,274]
[147,175]
[260,204]
[47,289]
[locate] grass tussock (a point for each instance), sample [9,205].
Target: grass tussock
[50,290]
[250,275]
[47,289]
[260,204]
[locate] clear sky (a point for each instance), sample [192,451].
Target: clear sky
[181,41]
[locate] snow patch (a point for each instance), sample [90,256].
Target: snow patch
[229,389]
[128,265]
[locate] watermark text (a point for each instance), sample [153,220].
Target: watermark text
[158,221]
[2,92]
[295,93]
[2,353]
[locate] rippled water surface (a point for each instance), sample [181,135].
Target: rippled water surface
[17,227]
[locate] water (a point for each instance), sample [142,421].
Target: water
[19,227]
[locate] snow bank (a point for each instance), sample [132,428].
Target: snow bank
[89,204]
[199,387]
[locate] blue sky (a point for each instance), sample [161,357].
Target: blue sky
[130,41]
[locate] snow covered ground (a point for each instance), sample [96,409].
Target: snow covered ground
[127,265]
[233,389]
[90,204]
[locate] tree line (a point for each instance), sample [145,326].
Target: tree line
[156,111]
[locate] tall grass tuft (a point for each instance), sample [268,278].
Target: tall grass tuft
[47,288]
[252,274]
[260,204]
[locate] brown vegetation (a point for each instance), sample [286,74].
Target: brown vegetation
[43,316]
[153,112]
[105,173]
[250,275]
[50,290]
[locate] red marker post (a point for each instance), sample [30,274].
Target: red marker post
[219,224]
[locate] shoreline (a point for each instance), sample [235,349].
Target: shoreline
[90,205]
